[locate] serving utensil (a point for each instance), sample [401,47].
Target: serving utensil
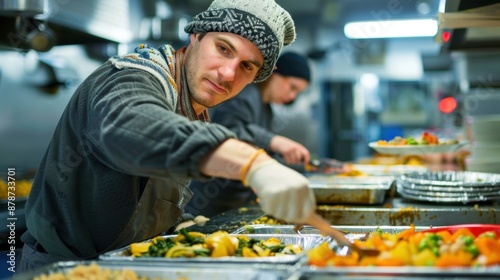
[325,165]
[324,227]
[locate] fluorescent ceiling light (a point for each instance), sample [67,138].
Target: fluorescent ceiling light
[391,29]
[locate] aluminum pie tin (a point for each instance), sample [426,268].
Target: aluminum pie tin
[305,241]
[452,194]
[452,179]
[462,199]
[449,186]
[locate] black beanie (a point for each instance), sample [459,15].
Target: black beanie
[293,64]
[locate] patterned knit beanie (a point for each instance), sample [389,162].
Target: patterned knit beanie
[263,22]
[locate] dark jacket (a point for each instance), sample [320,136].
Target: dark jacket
[120,133]
[251,120]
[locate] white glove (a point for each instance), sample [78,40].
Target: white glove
[283,192]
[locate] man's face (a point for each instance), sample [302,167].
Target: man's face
[219,66]
[284,89]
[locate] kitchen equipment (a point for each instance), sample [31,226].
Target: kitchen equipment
[318,222]
[417,149]
[388,169]
[449,186]
[350,232]
[476,229]
[350,190]
[324,165]
[306,242]
[179,271]
[485,147]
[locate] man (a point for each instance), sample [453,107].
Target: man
[135,132]
[250,116]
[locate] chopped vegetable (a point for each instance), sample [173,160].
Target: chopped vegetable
[218,244]
[459,248]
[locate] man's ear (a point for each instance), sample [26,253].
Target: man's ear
[192,38]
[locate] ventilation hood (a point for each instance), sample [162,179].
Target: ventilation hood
[41,24]
[470,25]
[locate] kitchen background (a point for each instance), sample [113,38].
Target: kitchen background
[362,90]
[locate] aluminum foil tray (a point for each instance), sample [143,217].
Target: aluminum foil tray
[350,190]
[289,229]
[450,186]
[387,169]
[465,179]
[409,272]
[396,273]
[306,241]
[179,271]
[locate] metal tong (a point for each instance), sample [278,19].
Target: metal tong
[324,227]
[324,165]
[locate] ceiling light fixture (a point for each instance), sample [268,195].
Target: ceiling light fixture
[391,29]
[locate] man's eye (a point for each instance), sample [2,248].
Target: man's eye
[223,49]
[247,66]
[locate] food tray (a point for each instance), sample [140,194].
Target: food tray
[449,186]
[349,230]
[306,242]
[408,272]
[416,149]
[387,169]
[346,190]
[179,271]
[453,179]
[396,273]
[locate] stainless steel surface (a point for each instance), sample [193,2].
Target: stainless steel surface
[306,242]
[401,212]
[396,273]
[25,7]
[388,170]
[351,232]
[179,271]
[350,190]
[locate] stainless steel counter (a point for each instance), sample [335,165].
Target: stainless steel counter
[401,212]
[393,212]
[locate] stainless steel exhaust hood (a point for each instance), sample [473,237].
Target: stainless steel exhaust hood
[41,24]
[27,7]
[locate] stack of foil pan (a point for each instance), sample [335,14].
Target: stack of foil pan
[449,186]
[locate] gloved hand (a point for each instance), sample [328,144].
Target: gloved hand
[283,192]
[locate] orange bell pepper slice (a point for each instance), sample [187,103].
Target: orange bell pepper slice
[461,258]
[406,233]
[461,232]
[490,249]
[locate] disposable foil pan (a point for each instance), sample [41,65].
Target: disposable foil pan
[308,272]
[388,170]
[179,271]
[453,179]
[356,190]
[306,242]
[450,187]
[393,273]
[306,230]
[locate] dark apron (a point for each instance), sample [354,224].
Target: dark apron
[158,209]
